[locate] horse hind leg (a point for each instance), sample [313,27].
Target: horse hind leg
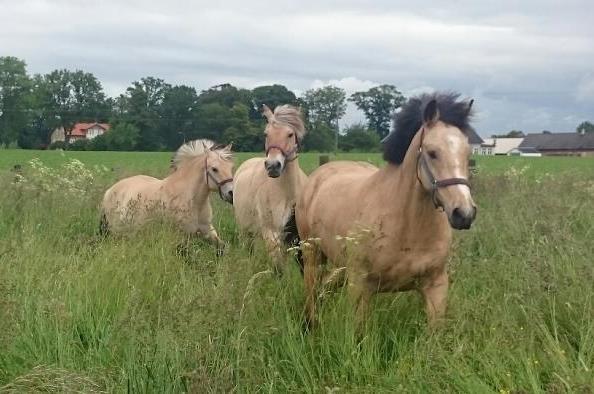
[103,225]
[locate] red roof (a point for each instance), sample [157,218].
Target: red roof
[80,129]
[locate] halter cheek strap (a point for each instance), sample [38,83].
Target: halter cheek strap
[292,152]
[435,184]
[219,184]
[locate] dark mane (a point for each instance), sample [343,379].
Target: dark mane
[410,119]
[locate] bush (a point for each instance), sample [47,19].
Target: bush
[81,144]
[57,145]
[359,138]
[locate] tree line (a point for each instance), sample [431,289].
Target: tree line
[153,115]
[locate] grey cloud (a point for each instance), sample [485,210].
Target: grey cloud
[529,65]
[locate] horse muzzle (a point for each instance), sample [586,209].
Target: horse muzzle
[273,168]
[461,218]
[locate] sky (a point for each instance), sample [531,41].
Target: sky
[528,64]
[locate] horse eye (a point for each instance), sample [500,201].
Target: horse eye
[214,169]
[432,154]
[290,135]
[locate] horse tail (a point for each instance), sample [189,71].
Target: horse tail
[291,238]
[103,225]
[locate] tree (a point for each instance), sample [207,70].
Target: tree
[585,127]
[272,96]
[178,116]
[141,107]
[511,134]
[320,138]
[325,106]
[65,97]
[226,95]
[121,137]
[378,104]
[14,98]
[359,138]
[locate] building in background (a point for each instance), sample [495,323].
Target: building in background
[499,146]
[79,131]
[559,144]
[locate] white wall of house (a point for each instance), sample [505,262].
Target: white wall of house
[94,131]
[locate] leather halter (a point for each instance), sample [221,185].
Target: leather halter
[208,175]
[286,154]
[435,184]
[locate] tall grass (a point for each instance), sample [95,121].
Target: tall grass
[132,313]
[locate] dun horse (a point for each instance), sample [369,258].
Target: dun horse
[201,167]
[266,189]
[399,217]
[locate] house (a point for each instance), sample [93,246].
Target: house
[80,131]
[500,146]
[475,141]
[560,144]
[526,152]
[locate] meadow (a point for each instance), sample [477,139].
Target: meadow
[79,313]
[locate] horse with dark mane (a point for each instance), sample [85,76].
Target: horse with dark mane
[390,229]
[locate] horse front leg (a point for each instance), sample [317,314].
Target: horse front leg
[209,233]
[360,295]
[435,292]
[273,246]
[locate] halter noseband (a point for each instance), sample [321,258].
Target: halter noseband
[286,154]
[435,184]
[220,184]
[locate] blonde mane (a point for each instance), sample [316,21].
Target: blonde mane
[196,148]
[290,116]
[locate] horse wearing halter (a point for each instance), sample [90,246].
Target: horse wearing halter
[286,154]
[219,184]
[435,184]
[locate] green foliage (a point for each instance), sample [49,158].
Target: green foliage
[65,97]
[325,105]
[79,313]
[141,107]
[359,138]
[585,127]
[511,134]
[14,98]
[320,138]
[273,96]
[378,104]
[178,115]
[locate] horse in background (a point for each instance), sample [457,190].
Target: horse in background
[390,229]
[266,189]
[200,168]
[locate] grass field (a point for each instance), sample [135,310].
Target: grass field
[83,314]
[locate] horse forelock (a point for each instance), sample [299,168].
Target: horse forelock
[291,116]
[409,120]
[199,147]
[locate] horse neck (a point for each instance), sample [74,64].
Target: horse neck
[290,178]
[190,178]
[403,193]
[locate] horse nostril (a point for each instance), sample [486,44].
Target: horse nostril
[457,214]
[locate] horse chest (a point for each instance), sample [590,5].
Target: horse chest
[402,267]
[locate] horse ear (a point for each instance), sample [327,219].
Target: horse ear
[267,112]
[469,106]
[431,114]
[204,146]
[228,147]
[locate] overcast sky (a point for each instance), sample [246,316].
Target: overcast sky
[529,66]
